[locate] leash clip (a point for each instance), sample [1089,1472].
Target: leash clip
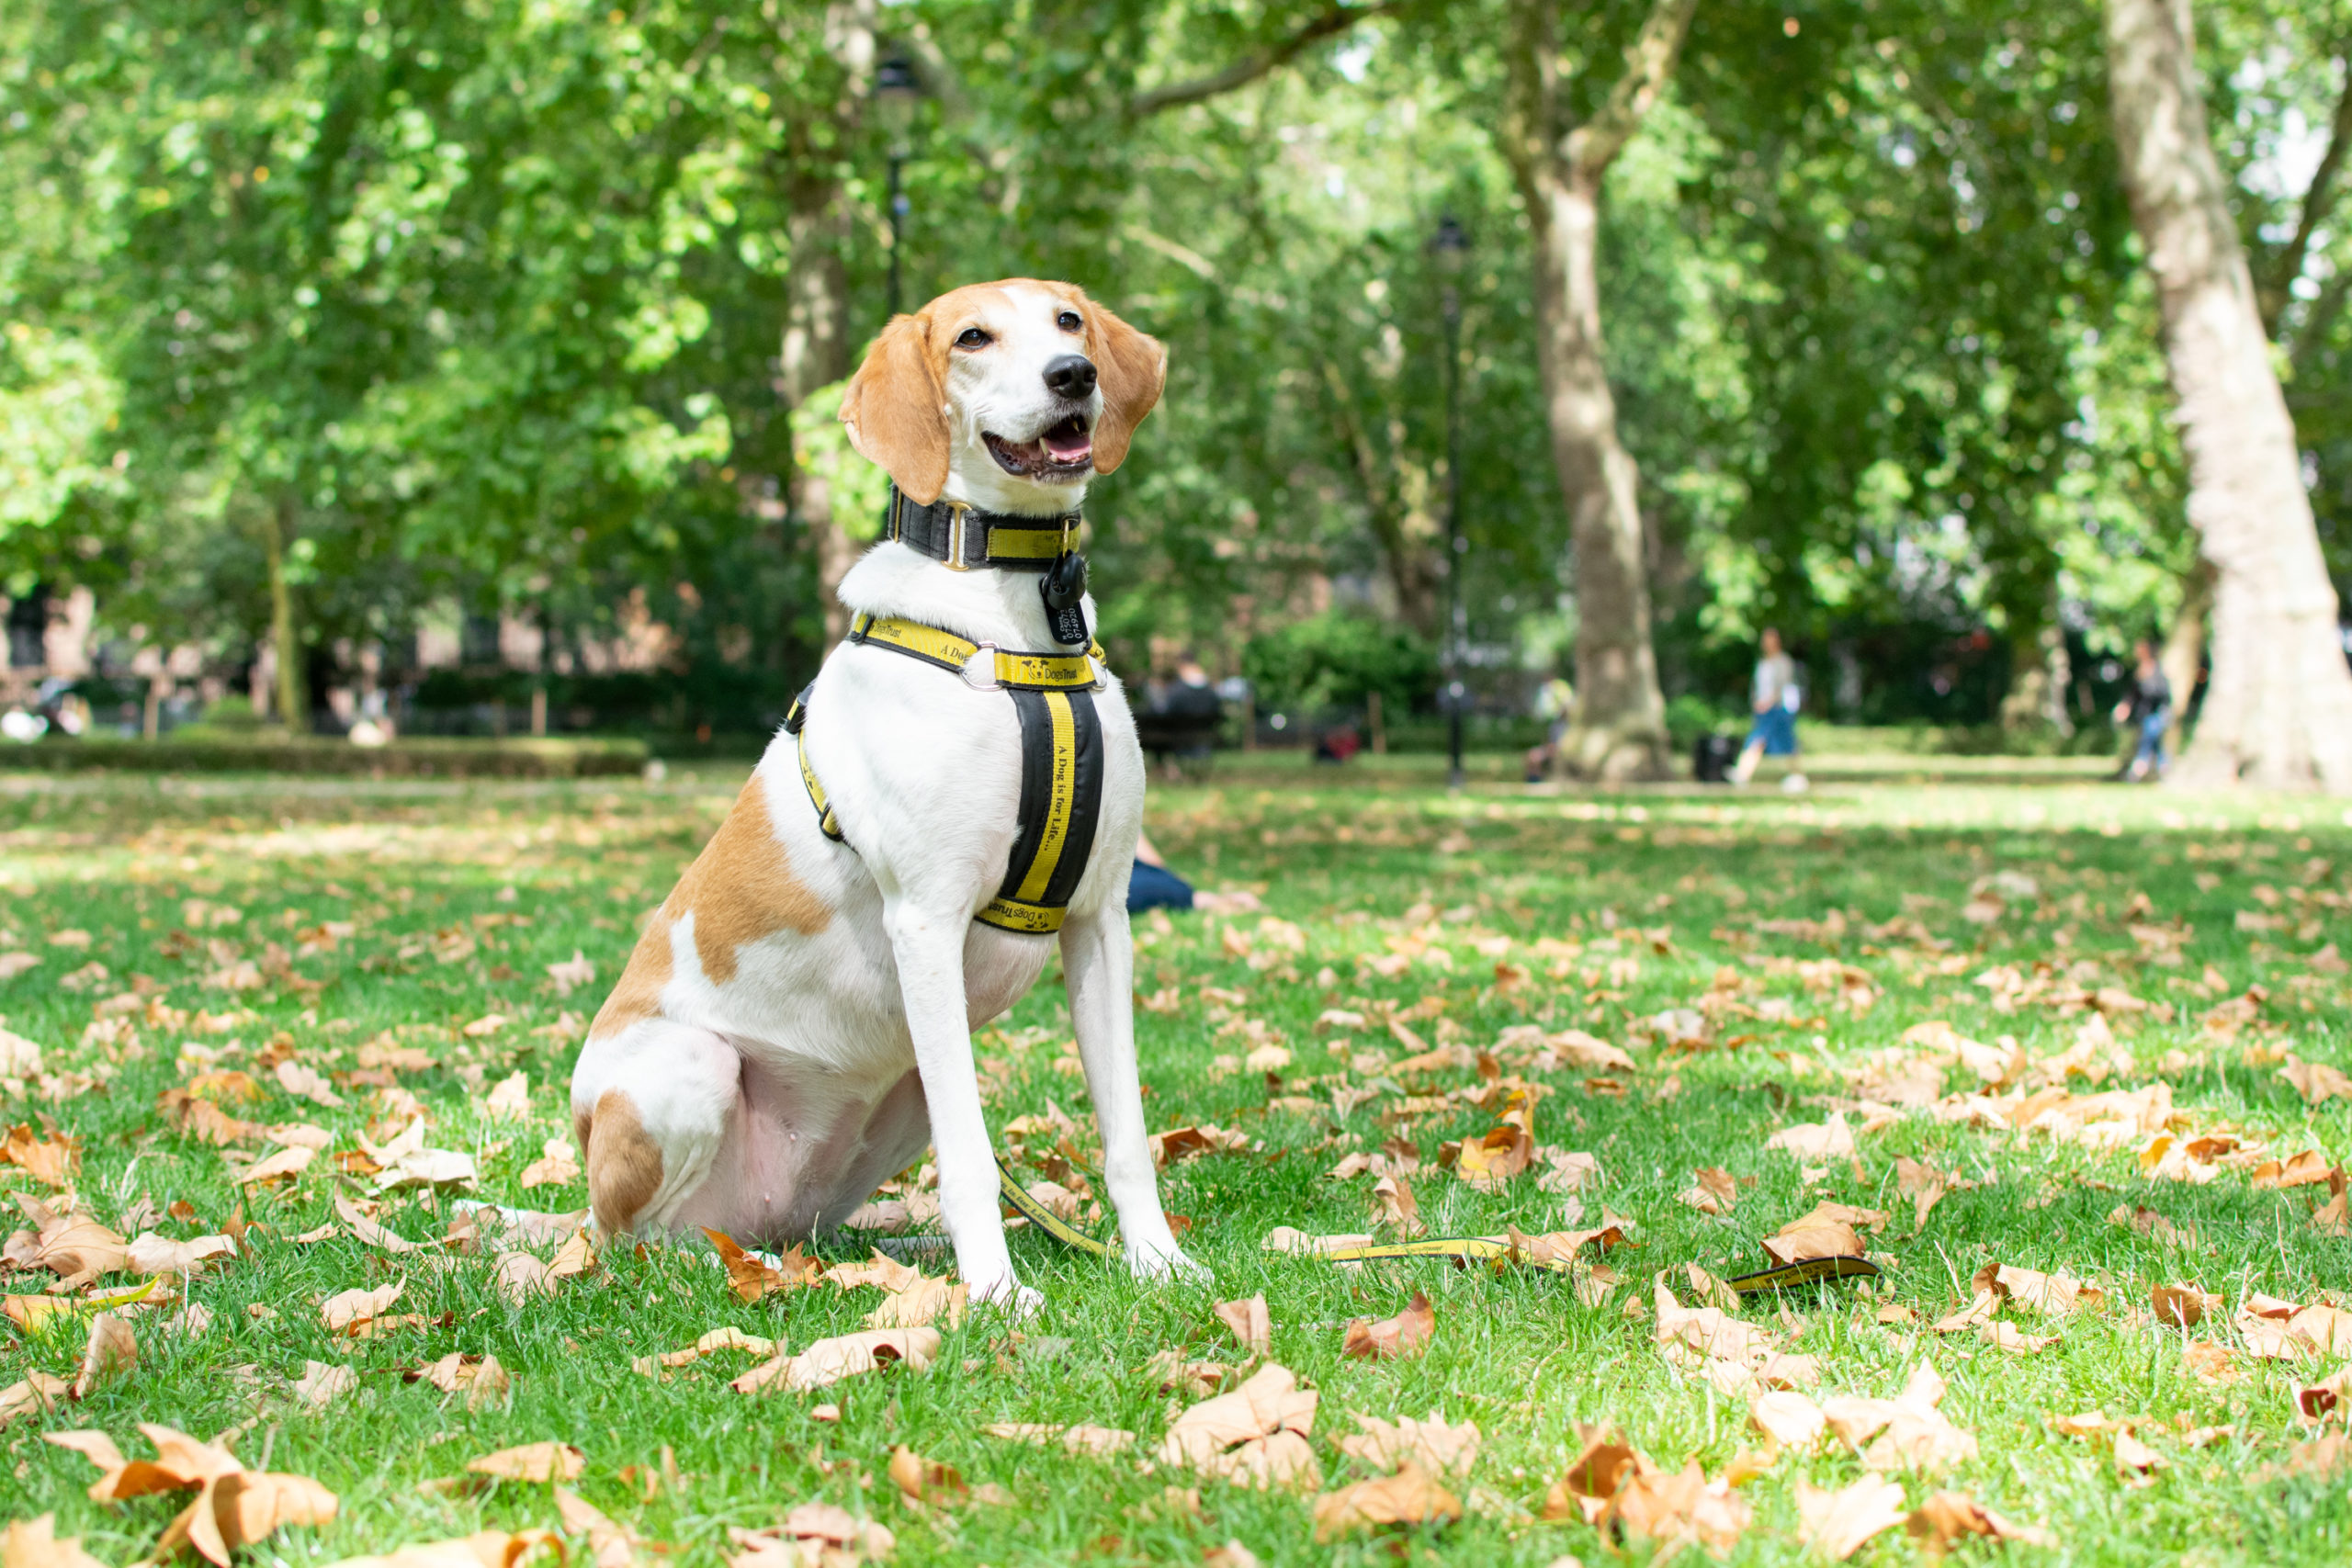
[980,670]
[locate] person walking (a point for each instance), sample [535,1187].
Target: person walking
[1773,697]
[1555,704]
[2148,709]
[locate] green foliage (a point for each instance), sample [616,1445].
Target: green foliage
[1337,659]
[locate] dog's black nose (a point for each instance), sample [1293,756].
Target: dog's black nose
[1070,375]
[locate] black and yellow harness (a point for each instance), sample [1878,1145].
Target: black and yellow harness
[1052,695]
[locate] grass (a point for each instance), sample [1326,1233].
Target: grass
[527,872]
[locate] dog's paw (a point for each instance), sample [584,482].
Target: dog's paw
[1167,1262]
[1009,1296]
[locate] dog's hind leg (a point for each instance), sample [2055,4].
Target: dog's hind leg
[652,1106]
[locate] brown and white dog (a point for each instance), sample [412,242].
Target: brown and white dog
[795,1024]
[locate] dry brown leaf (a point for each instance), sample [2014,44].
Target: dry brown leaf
[556,1166]
[1905,1433]
[2182,1306]
[1712,1191]
[1506,1150]
[1592,1477]
[2324,1397]
[369,1232]
[610,1543]
[1411,1497]
[1802,1240]
[2005,1336]
[1256,1434]
[1082,1439]
[2052,1295]
[2304,1170]
[52,1160]
[1393,1196]
[1945,1518]
[1788,1418]
[1404,1334]
[710,1344]
[1839,1524]
[244,1506]
[511,1101]
[1250,1322]
[752,1278]
[348,1311]
[490,1549]
[37,1394]
[33,1543]
[531,1461]
[2316,1081]
[821,1533]
[112,1352]
[1923,1184]
[922,1480]
[1815,1141]
[2135,1463]
[847,1354]
[323,1383]
[153,1254]
[1429,1443]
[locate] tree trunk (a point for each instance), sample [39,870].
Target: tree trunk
[1621,732]
[816,353]
[2184,650]
[1621,728]
[2278,711]
[1397,503]
[293,703]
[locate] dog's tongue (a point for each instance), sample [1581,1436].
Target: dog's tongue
[1068,440]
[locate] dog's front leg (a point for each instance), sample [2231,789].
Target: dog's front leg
[1098,957]
[929,949]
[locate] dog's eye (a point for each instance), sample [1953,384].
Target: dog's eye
[972,337]
[1068,321]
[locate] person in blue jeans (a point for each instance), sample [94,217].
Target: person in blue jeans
[2148,710]
[1151,885]
[1772,696]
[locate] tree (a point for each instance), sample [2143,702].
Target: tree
[1560,165]
[2279,712]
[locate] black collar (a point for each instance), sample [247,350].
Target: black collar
[964,536]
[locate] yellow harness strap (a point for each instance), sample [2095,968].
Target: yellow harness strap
[1016,671]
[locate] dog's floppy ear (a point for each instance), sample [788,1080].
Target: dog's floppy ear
[896,410]
[1131,367]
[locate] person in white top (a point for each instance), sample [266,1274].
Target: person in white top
[1774,696]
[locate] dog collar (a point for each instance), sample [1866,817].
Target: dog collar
[963,538]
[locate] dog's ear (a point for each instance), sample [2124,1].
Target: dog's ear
[896,410]
[1131,367]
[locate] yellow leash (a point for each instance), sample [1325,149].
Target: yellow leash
[1461,1249]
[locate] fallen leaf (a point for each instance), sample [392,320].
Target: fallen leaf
[235,1506]
[346,1312]
[1788,1418]
[323,1383]
[37,1394]
[1947,1517]
[50,1160]
[922,1480]
[2054,1295]
[1410,1496]
[307,1083]
[1079,1439]
[490,1549]
[1256,1434]
[283,1166]
[1905,1433]
[2316,1081]
[821,1533]
[752,1278]
[2182,1306]
[556,1165]
[848,1355]
[1815,1141]
[1712,1191]
[1250,1322]
[112,1352]
[1393,1195]
[1802,1240]
[2136,1463]
[2323,1398]
[153,1254]
[531,1461]
[1839,1524]
[1407,1332]
[33,1543]
[610,1544]
[710,1344]
[1923,1184]
[369,1232]
[1429,1443]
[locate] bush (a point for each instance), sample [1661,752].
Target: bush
[1336,660]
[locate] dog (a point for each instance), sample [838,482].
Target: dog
[795,1024]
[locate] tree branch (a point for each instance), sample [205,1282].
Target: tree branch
[1649,64]
[1337,19]
[2288,264]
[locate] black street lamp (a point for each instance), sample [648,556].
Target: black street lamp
[1449,249]
[897,93]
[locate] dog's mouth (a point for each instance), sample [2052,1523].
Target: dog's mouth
[1060,451]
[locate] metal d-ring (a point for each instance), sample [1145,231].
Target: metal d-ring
[980,670]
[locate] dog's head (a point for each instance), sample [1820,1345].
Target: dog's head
[1020,390]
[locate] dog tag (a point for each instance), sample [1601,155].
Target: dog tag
[1062,588]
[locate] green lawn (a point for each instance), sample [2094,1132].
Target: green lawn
[1793,939]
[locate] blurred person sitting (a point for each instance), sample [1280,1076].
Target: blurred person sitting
[2148,709]
[1773,697]
[1181,717]
[1151,885]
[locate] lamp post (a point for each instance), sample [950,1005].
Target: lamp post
[1449,249]
[896,91]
